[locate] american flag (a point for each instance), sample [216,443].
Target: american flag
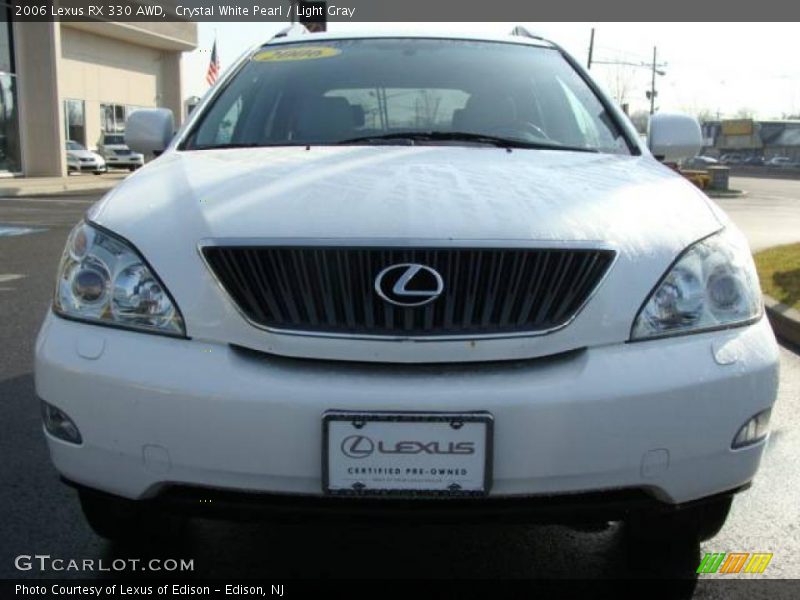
[213,66]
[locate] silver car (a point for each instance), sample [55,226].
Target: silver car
[81,160]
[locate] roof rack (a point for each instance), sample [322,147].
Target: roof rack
[521,31]
[291,31]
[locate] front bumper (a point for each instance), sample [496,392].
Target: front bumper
[88,167]
[156,412]
[124,161]
[571,509]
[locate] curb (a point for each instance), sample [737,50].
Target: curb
[785,320]
[725,194]
[23,187]
[55,190]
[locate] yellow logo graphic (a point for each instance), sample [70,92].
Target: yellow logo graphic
[734,562]
[296,53]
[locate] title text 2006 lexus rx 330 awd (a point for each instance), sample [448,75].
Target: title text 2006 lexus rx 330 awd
[384,274]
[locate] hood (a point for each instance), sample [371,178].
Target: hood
[645,212]
[432,192]
[81,154]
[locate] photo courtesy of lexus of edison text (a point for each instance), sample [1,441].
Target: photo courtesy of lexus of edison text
[497,300]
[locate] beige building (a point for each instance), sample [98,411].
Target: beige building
[79,81]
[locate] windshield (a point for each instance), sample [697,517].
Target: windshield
[114,139]
[74,146]
[354,91]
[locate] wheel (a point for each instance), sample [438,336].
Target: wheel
[121,520]
[132,168]
[98,172]
[698,523]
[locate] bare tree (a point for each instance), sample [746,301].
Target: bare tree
[639,119]
[620,81]
[745,112]
[705,114]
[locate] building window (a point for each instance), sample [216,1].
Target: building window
[75,121]
[9,117]
[112,118]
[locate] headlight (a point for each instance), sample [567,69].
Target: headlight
[712,285]
[102,279]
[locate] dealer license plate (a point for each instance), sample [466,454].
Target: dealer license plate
[407,453]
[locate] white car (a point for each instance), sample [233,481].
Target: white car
[780,161]
[375,268]
[80,160]
[117,154]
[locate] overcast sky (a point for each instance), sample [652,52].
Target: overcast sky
[718,67]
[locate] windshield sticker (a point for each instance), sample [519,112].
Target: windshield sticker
[300,53]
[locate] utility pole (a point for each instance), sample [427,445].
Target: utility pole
[655,68]
[591,50]
[653,83]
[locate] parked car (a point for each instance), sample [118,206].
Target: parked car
[700,162]
[755,161]
[783,162]
[117,154]
[496,307]
[731,159]
[80,160]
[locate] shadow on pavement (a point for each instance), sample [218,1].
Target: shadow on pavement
[260,550]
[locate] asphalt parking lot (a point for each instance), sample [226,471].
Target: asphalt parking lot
[42,516]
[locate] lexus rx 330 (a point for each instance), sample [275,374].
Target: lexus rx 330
[386,275]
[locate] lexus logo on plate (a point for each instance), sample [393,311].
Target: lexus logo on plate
[357,446]
[409,284]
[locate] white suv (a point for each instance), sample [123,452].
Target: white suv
[382,274]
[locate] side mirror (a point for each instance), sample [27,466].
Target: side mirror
[672,137]
[149,130]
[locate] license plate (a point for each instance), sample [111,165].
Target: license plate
[407,453]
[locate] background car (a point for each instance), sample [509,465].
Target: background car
[783,162]
[81,160]
[732,159]
[700,162]
[754,161]
[117,154]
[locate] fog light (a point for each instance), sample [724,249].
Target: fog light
[59,425]
[753,431]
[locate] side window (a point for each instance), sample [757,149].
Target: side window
[228,123]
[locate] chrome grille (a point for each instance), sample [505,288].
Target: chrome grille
[331,289]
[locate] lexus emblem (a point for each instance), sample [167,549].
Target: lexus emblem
[409,284]
[357,446]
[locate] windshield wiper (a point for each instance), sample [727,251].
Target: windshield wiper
[456,136]
[226,145]
[244,145]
